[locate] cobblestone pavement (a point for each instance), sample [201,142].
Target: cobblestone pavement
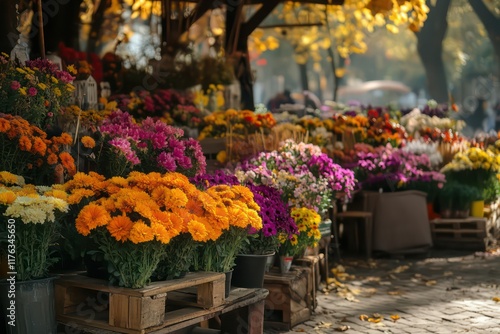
[448,292]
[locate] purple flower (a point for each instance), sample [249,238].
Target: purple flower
[32,91]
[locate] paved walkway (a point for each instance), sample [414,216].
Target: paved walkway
[450,292]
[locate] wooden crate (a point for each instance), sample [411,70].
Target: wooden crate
[289,301]
[94,302]
[313,263]
[466,233]
[211,147]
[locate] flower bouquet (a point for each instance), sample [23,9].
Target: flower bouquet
[132,220]
[151,146]
[36,91]
[32,216]
[27,151]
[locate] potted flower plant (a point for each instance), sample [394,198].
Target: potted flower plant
[151,146]
[221,254]
[133,219]
[36,91]
[30,227]
[306,176]
[27,151]
[308,235]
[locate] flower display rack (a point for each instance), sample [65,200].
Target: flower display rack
[96,303]
[211,147]
[466,233]
[492,215]
[290,297]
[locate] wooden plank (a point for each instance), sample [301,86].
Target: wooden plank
[95,323]
[119,310]
[211,294]
[191,279]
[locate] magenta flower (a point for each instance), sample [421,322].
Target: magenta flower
[32,91]
[15,85]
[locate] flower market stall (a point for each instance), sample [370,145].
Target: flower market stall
[115,201]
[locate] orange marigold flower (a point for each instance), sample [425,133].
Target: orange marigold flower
[160,232]
[4,125]
[39,146]
[67,161]
[90,217]
[88,142]
[140,233]
[7,197]
[65,139]
[119,227]
[57,193]
[52,159]
[25,143]
[197,230]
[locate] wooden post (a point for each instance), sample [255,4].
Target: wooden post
[40,27]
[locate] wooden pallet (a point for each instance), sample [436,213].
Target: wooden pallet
[289,301]
[94,302]
[467,233]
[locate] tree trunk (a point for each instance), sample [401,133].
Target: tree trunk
[96,26]
[491,24]
[430,49]
[8,25]
[303,76]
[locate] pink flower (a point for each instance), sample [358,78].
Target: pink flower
[15,85]
[50,114]
[32,91]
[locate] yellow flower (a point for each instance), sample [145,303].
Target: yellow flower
[42,86]
[7,197]
[22,90]
[57,92]
[71,69]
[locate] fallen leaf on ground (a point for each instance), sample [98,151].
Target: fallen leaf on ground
[342,328]
[323,324]
[374,320]
[448,273]
[400,269]
[300,330]
[496,299]
[394,293]
[395,317]
[417,275]
[363,317]
[431,283]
